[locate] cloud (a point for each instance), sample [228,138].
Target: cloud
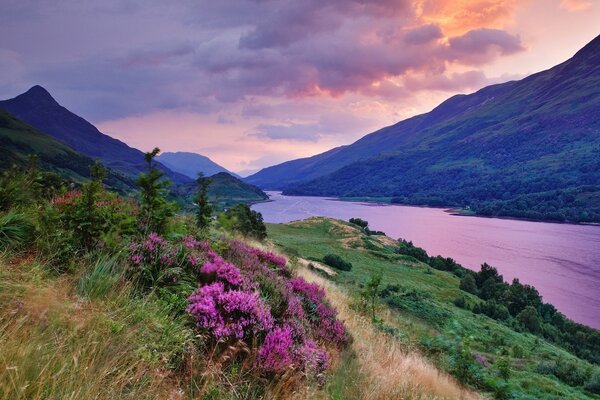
[423,34]
[482,45]
[575,5]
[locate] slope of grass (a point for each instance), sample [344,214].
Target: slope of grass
[426,320]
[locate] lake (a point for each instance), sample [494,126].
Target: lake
[561,260]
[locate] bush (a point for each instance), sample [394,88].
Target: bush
[359,222]
[530,320]
[335,261]
[593,384]
[467,283]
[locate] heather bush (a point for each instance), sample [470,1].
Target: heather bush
[248,294]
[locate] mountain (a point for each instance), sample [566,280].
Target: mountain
[190,164]
[18,141]
[38,108]
[224,191]
[528,148]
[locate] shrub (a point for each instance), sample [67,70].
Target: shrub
[335,261]
[467,283]
[593,384]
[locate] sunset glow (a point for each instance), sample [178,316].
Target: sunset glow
[254,83]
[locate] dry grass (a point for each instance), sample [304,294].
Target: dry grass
[54,346]
[388,370]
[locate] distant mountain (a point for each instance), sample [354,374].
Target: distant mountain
[38,108]
[528,148]
[18,141]
[190,164]
[224,191]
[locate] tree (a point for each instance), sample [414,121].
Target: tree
[155,210]
[530,320]
[359,222]
[371,292]
[89,224]
[246,221]
[204,212]
[467,283]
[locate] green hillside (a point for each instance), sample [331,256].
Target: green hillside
[224,191]
[417,305]
[18,141]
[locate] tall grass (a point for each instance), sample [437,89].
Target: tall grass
[385,368]
[15,230]
[102,277]
[53,346]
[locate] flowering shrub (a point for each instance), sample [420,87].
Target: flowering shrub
[246,294]
[155,262]
[229,313]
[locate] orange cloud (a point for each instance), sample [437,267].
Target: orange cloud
[575,5]
[459,16]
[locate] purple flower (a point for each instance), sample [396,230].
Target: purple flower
[221,270]
[232,313]
[275,355]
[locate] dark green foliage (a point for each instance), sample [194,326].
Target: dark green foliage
[530,320]
[492,309]
[359,222]
[464,366]
[86,219]
[407,248]
[460,302]
[204,211]
[468,284]
[155,210]
[567,371]
[337,262]
[593,384]
[15,230]
[246,221]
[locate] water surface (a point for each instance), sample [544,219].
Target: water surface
[561,260]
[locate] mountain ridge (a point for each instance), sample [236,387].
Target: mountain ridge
[39,109]
[494,150]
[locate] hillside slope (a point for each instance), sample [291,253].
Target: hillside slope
[491,150]
[39,109]
[18,141]
[224,191]
[190,164]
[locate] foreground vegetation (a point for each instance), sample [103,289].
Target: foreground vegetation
[423,309]
[112,297]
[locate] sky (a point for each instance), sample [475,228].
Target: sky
[252,83]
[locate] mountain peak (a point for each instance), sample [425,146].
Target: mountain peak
[37,95]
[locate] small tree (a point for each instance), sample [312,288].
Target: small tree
[246,221]
[530,320]
[503,366]
[468,284]
[371,292]
[204,212]
[155,210]
[84,217]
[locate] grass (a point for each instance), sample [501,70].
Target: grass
[57,345]
[431,325]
